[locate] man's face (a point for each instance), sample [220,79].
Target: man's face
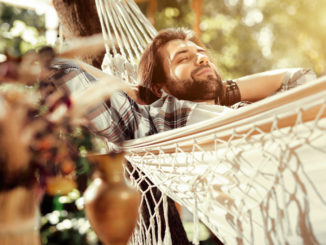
[190,73]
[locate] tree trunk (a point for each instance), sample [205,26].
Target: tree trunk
[79,19]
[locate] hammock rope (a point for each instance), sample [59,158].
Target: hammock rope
[126,32]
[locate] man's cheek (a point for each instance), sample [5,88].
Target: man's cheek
[180,73]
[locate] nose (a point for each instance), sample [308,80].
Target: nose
[202,59]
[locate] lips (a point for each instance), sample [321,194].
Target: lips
[205,71]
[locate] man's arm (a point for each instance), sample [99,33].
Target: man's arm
[261,85]
[95,72]
[99,74]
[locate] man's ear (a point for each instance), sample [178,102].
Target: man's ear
[157,90]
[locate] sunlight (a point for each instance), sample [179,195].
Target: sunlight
[3,58]
[265,40]
[254,16]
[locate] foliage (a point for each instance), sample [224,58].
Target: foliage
[20,30]
[64,221]
[250,36]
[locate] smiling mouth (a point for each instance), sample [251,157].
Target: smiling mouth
[205,71]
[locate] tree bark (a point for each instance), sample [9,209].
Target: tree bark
[79,19]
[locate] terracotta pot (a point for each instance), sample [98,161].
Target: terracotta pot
[111,205]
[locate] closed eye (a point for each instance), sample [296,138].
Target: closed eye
[182,59]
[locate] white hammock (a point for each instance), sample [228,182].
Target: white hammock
[251,180]
[253,177]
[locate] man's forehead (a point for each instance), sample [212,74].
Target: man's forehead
[171,48]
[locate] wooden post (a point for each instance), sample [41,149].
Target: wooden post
[151,11]
[197,8]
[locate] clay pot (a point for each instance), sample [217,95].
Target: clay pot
[111,205]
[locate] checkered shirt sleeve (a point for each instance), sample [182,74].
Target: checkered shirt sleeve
[121,118]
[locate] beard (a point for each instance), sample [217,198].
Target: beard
[195,89]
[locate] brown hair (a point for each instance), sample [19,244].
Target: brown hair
[150,69]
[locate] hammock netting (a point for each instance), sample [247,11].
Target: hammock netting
[254,176]
[251,180]
[127,33]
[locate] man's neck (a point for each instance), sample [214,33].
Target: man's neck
[211,101]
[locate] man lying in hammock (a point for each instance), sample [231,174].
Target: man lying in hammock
[176,74]
[179,85]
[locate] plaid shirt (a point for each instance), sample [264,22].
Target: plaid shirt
[121,118]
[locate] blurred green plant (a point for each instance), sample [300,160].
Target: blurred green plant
[64,221]
[20,30]
[250,36]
